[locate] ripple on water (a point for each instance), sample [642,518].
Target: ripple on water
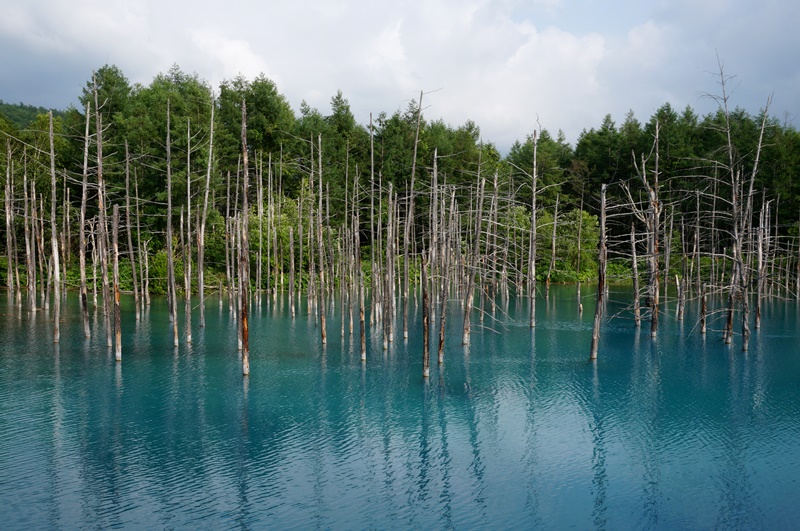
[517,431]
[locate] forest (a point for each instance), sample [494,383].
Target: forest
[180,188]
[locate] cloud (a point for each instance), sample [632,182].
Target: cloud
[501,63]
[225,57]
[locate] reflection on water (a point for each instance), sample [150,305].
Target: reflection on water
[519,430]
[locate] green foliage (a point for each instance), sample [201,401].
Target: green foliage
[290,149]
[619,270]
[576,259]
[21,116]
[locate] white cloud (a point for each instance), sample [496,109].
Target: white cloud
[225,57]
[501,63]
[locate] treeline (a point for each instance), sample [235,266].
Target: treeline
[21,115]
[327,164]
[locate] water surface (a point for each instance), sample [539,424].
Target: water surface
[518,430]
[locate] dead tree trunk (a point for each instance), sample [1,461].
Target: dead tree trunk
[260,214]
[409,222]
[117,317]
[102,236]
[703,308]
[761,275]
[446,275]
[291,272]
[54,238]
[321,249]
[360,273]
[426,354]
[601,275]
[637,312]
[144,269]
[30,247]
[532,239]
[187,244]
[201,234]
[388,286]
[473,269]
[651,218]
[128,224]
[173,298]
[244,250]
[552,248]
[82,229]
[9,219]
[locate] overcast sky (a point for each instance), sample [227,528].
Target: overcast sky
[500,63]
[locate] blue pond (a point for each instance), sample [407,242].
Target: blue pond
[519,430]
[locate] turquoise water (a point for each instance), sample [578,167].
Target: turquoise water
[518,431]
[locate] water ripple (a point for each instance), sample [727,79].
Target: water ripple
[517,431]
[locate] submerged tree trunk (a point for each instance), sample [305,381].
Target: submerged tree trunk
[9,219]
[703,308]
[30,248]
[446,275]
[201,233]
[426,354]
[173,298]
[187,244]
[144,268]
[637,312]
[552,247]
[532,239]
[244,250]
[601,275]
[54,238]
[321,249]
[117,317]
[128,226]
[291,272]
[409,222]
[102,236]
[82,229]
[473,269]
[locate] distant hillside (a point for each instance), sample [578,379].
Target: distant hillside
[22,115]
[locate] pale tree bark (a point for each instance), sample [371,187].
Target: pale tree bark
[173,298]
[426,354]
[201,233]
[637,311]
[30,249]
[360,273]
[552,248]
[102,238]
[448,235]
[54,238]
[650,216]
[128,226]
[409,222]
[388,286]
[9,220]
[117,316]
[187,264]
[260,210]
[144,266]
[244,250]
[532,238]
[321,249]
[473,268]
[291,272]
[82,227]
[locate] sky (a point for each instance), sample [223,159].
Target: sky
[510,66]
